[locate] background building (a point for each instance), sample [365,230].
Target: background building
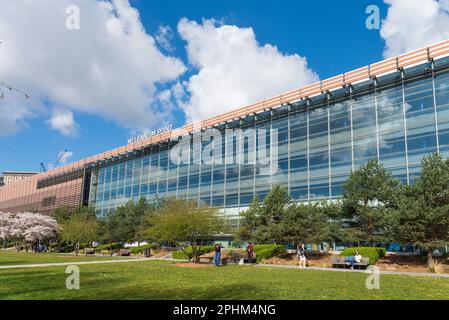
[9,177]
[396,111]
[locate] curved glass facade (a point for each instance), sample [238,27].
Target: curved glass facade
[396,119]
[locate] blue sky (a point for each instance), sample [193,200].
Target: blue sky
[331,35]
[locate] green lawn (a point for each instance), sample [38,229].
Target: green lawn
[12,258]
[164,280]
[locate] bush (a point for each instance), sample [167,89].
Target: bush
[7,245]
[109,247]
[267,251]
[84,245]
[188,252]
[382,252]
[140,249]
[179,255]
[372,253]
[67,249]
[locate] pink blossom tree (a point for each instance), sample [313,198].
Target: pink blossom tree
[27,227]
[5,226]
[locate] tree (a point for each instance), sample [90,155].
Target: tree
[109,229]
[249,222]
[275,204]
[370,197]
[261,222]
[82,226]
[5,226]
[182,223]
[128,220]
[27,227]
[62,214]
[308,223]
[423,214]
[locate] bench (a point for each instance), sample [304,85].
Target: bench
[339,261]
[89,251]
[124,252]
[242,258]
[210,259]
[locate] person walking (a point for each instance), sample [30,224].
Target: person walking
[302,256]
[250,251]
[217,258]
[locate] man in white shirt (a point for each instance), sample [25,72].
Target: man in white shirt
[357,257]
[352,260]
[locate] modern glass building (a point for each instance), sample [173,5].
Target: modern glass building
[396,111]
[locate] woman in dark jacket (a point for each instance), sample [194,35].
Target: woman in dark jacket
[217,258]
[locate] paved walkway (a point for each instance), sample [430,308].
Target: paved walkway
[56,264]
[397,273]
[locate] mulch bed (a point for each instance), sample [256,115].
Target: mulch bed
[407,264]
[192,265]
[390,262]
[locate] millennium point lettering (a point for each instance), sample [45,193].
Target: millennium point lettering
[152,133]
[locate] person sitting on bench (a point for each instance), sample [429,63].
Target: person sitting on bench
[357,258]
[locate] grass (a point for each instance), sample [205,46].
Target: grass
[12,258]
[165,280]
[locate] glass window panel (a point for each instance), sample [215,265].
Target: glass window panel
[231,198]
[218,200]
[319,191]
[298,193]
[205,199]
[194,180]
[442,89]
[298,163]
[418,95]
[363,115]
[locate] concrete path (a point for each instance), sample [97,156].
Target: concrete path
[56,264]
[397,273]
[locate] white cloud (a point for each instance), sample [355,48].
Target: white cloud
[109,67]
[63,121]
[12,113]
[64,156]
[164,37]
[412,24]
[234,70]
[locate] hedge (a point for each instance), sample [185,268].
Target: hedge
[188,252]
[85,245]
[373,253]
[107,247]
[140,249]
[67,248]
[267,251]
